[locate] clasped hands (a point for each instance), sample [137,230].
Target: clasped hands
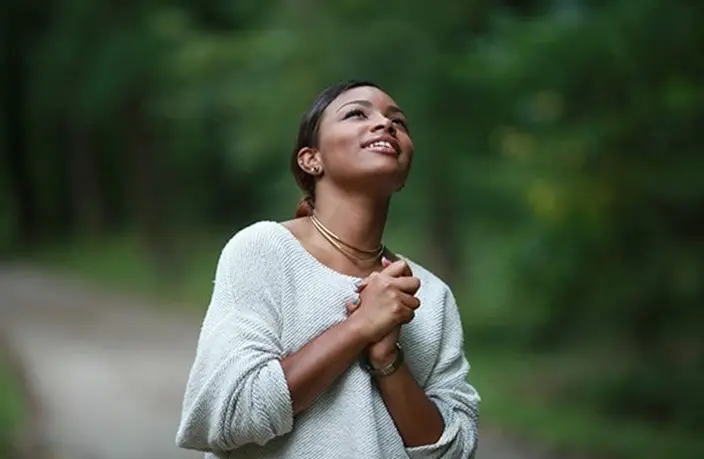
[386,301]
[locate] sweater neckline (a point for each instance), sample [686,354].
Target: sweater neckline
[312,259]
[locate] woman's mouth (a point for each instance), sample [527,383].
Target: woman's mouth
[383,146]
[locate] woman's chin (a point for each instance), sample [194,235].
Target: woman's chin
[386,172]
[385,164]
[384,180]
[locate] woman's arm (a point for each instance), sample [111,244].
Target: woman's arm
[237,391]
[447,388]
[440,421]
[242,388]
[416,417]
[314,367]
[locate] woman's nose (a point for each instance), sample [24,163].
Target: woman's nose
[383,123]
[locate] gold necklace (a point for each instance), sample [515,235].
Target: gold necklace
[340,245]
[329,232]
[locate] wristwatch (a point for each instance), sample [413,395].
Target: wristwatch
[388,369]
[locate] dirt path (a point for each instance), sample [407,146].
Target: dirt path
[110,371]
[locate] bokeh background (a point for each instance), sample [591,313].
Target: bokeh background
[558,184]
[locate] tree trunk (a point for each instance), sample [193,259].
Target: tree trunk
[22,192]
[444,245]
[146,192]
[87,203]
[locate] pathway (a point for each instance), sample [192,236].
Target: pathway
[110,370]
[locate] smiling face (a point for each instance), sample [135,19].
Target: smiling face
[363,142]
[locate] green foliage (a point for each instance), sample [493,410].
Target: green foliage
[617,200]
[518,392]
[558,160]
[12,409]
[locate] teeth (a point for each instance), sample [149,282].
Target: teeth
[381,144]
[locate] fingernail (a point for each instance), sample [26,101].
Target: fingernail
[355,300]
[385,261]
[357,284]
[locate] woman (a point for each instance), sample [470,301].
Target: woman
[318,341]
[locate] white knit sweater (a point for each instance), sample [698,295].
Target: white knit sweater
[270,298]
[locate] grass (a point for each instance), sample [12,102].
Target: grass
[119,263]
[524,393]
[513,389]
[512,386]
[12,408]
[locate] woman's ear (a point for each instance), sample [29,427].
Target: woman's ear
[309,160]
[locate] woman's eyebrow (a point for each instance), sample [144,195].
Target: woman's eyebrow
[395,109]
[366,103]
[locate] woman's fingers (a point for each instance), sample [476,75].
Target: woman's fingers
[409,317]
[402,279]
[397,268]
[351,307]
[409,301]
[361,284]
[406,284]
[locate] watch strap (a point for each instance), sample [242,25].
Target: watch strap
[388,369]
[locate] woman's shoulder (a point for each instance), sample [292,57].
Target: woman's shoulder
[428,280]
[262,238]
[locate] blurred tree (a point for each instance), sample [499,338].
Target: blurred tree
[617,251]
[569,126]
[20,23]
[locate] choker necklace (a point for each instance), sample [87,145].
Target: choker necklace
[342,246]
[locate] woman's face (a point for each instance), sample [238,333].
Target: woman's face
[363,140]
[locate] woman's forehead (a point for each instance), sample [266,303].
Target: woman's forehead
[364,95]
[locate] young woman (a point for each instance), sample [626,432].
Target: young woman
[318,341]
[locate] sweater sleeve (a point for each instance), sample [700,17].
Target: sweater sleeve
[456,400]
[237,392]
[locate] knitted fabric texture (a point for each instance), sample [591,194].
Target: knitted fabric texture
[270,298]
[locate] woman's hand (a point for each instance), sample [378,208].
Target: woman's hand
[384,303]
[384,351]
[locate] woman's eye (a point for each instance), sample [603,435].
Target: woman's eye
[355,114]
[401,122]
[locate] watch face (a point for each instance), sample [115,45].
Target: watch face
[387,370]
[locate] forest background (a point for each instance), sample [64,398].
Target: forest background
[558,184]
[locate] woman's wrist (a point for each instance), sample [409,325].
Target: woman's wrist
[384,364]
[382,357]
[357,329]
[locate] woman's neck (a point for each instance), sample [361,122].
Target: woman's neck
[357,220]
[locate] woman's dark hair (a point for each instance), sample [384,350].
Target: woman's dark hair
[308,137]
